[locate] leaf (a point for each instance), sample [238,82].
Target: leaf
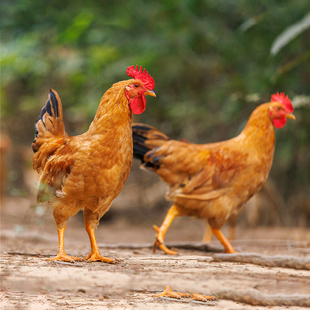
[79,25]
[251,22]
[289,34]
[301,101]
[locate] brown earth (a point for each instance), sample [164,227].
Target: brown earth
[28,281]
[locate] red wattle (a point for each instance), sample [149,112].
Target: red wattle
[279,122]
[137,105]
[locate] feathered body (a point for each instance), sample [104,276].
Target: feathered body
[89,170]
[86,172]
[211,180]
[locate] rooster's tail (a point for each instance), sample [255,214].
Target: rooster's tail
[50,122]
[146,138]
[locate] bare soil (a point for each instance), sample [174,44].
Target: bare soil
[28,281]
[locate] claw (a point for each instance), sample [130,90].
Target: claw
[159,242]
[156,244]
[96,257]
[219,235]
[166,250]
[156,228]
[162,230]
[65,258]
[61,255]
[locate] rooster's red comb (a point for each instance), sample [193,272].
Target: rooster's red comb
[137,74]
[285,100]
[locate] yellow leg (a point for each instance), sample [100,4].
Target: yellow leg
[95,255]
[161,232]
[62,256]
[219,235]
[168,292]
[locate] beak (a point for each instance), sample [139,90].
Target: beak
[150,93]
[290,115]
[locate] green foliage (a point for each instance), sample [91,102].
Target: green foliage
[210,60]
[289,34]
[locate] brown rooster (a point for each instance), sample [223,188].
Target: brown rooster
[88,171]
[214,180]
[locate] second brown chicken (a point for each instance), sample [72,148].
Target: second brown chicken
[214,180]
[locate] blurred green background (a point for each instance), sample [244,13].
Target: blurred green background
[213,62]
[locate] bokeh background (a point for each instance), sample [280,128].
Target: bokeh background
[213,62]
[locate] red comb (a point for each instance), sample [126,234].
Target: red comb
[285,100]
[137,74]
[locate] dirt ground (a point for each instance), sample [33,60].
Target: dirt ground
[28,281]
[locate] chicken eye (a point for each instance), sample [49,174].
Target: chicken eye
[279,108]
[136,85]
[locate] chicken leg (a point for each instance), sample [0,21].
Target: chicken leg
[62,256]
[94,255]
[219,235]
[161,232]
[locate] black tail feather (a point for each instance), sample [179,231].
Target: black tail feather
[50,118]
[142,134]
[139,147]
[50,106]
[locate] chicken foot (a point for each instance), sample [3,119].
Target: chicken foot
[168,292]
[220,236]
[162,230]
[94,255]
[62,256]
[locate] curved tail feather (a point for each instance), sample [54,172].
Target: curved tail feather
[145,139]
[50,122]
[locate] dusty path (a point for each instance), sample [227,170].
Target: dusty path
[30,282]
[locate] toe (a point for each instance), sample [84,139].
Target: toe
[98,258]
[64,258]
[166,250]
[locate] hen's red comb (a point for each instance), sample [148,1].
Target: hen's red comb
[285,100]
[137,74]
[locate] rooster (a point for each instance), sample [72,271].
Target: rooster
[86,172]
[213,181]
